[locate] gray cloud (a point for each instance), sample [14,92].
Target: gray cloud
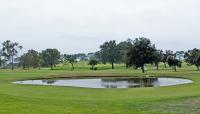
[82,25]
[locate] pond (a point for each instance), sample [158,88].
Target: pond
[109,82]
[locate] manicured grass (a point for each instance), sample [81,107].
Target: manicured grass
[35,99]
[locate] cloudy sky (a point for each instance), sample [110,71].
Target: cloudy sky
[75,26]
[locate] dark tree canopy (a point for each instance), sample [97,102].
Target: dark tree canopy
[30,59]
[193,57]
[123,48]
[51,57]
[141,53]
[109,52]
[93,63]
[174,62]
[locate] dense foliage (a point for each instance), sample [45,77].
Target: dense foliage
[51,57]
[142,52]
[193,57]
[133,53]
[109,52]
[93,63]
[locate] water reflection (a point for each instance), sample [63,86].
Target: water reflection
[114,82]
[49,81]
[128,82]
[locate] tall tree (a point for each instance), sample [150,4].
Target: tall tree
[109,52]
[193,57]
[157,57]
[141,53]
[10,50]
[123,48]
[51,57]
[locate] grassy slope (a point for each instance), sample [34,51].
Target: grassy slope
[31,99]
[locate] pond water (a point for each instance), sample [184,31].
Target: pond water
[109,82]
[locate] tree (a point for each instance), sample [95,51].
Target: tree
[157,57]
[193,57]
[30,59]
[51,57]
[141,53]
[93,63]
[165,56]
[109,52]
[71,59]
[35,58]
[41,60]
[97,55]
[25,60]
[10,50]
[123,48]
[173,62]
[0,57]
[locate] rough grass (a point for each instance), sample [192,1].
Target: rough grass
[35,99]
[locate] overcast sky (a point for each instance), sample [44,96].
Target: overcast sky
[74,26]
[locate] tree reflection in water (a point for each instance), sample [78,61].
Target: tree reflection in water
[48,81]
[128,82]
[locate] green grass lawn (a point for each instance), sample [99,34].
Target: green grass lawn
[35,99]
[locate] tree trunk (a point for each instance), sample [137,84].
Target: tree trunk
[28,67]
[39,66]
[198,67]
[175,68]
[143,71]
[23,67]
[51,62]
[112,65]
[12,63]
[51,67]
[72,66]
[126,66]
[165,65]
[157,66]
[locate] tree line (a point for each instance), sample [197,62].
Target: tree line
[135,54]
